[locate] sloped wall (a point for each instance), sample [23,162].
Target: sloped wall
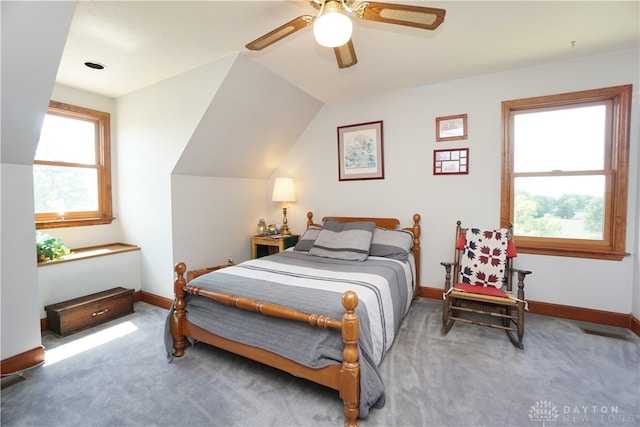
[29,68]
[254,119]
[226,120]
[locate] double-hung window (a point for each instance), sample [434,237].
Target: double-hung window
[565,172]
[72,168]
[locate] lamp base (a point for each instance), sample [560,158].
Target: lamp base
[285,228]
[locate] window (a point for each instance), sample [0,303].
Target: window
[72,168]
[565,171]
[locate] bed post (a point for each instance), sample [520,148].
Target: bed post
[416,230]
[416,250]
[350,376]
[309,219]
[178,313]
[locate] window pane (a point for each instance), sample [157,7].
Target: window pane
[571,139]
[65,189]
[67,140]
[561,207]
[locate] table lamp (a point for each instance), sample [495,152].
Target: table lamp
[283,192]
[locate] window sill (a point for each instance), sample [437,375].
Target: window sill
[573,253]
[92,252]
[40,225]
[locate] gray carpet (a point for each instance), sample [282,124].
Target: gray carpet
[471,377]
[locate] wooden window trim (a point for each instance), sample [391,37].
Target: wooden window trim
[612,247]
[104,215]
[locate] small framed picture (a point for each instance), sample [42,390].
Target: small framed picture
[451,162]
[360,152]
[450,128]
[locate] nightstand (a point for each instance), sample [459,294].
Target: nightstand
[268,245]
[192,274]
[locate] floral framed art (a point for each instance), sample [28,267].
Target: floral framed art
[451,162]
[451,128]
[360,152]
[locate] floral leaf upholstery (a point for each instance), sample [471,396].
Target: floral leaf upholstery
[484,257]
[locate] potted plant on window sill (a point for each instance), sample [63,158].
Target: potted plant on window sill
[49,247]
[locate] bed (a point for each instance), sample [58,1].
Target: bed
[326,310]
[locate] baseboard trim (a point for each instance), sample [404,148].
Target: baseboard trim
[156,300]
[635,326]
[137,296]
[580,314]
[433,293]
[20,362]
[547,309]
[564,311]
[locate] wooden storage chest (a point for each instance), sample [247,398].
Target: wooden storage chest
[74,315]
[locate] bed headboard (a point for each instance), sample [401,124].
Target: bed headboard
[390,223]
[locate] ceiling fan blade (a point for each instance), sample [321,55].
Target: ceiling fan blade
[427,18]
[280,32]
[346,55]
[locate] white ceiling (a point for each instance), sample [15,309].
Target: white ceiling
[143,42]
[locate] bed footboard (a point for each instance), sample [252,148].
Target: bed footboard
[346,379]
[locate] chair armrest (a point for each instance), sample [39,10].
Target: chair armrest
[525,272]
[447,278]
[522,274]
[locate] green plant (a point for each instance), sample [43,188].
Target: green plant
[49,247]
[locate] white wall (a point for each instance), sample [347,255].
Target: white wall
[409,185]
[19,327]
[635,198]
[214,218]
[154,126]
[28,72]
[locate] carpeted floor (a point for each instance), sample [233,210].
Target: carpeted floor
[471,377]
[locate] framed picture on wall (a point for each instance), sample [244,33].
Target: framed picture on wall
[360,152]
[451,128]
[451,162]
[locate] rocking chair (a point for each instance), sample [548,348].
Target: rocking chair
[478,283]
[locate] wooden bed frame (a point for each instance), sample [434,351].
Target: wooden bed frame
[344,378]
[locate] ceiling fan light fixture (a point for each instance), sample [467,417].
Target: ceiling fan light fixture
[332,28]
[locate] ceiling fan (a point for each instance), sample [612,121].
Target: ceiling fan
[332,25]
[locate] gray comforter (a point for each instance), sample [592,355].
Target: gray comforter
[313,285]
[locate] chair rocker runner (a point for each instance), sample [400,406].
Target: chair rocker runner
[478,286]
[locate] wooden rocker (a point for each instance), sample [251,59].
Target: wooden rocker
[478,287]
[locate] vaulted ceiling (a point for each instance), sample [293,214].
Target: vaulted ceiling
[143,42]
[251,123]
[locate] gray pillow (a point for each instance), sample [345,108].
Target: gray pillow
[348,241]
[395,244]
[307,239]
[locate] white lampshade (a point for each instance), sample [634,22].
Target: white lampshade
[283,190]
[332,29]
